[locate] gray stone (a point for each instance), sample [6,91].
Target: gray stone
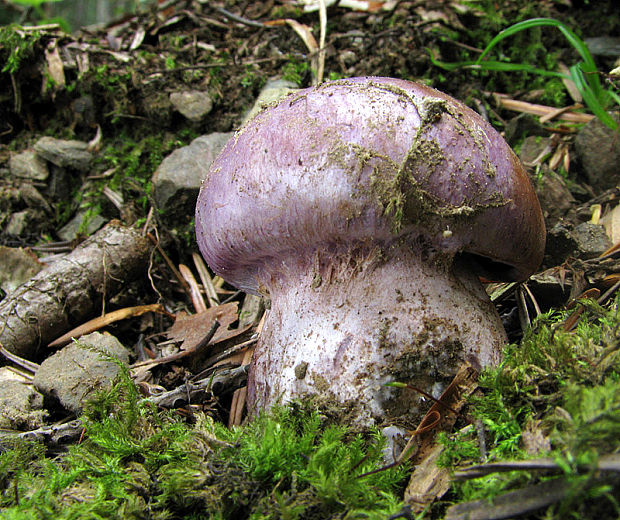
[193,104]
[555,198]
[604,46]
[18,266]
[592,240]
[23,223]
[76,372]
[21,406]
[63,153]
[33,199]
[532,149]
[177,180]
[550,288]
[583,241]
[521,126]
[82,222]
[18,223]
[272,91]
[28,165]
[598,150]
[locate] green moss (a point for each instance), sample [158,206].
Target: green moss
[138,462]
[16,46]
[564,385]
[295,71]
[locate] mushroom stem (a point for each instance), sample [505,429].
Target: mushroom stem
[342,329]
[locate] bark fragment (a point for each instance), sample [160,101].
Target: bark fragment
[72,289]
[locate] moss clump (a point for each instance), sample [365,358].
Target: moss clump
[296,71]
[138,462]
[562,389]
[16,46]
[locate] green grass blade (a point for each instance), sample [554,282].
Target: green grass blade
[613,95]
[577,43]
[502,66]
[573,39]
[445,65]
[591,100]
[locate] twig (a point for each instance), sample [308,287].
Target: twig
[323,23]
[227,353]
[172,267]
[609,292]
[609,462]
[220,381]
[197,299]
[237,18]
[232,297]
[106,319]
[207,281]
[540,110]
[24,363]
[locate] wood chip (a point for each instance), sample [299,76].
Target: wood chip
[540,110]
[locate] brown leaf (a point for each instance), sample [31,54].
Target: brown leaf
[55,68]
[611,222]
[428,482]
[191,329]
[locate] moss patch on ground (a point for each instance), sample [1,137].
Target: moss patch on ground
[138,462]
[557,394]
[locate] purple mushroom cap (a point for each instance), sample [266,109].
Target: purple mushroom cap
[360,168]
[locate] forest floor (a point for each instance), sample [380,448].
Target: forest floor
[550,414]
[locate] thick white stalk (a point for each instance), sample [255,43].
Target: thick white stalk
[343,328]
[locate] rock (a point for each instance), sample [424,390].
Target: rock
[272,91]
[592,240]
[598,151]
[177,179]
[533,148]
[82,223]
[75,373]
[555,198]
[28,165]
[21,406]
[521,126]
[26,223]
[63,153]
[583,241]
[33,199]
[18,223]
[18,266]
[550,288]
[193,104]
[604,46]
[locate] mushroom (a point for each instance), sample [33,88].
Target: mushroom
[366,209]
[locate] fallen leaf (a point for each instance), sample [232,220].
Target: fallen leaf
[191,329]
[55,68]
[428,482]
[611,223]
